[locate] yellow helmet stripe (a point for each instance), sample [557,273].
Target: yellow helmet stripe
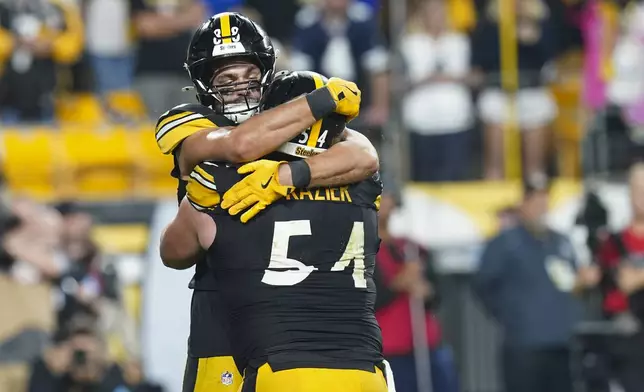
[225,28]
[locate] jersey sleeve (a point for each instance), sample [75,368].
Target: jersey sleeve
[201,189]
[182,121]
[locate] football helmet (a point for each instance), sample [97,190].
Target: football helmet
[287,86]
[223,39]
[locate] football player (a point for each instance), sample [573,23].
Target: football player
[297,283]
[306,350]
[231,62]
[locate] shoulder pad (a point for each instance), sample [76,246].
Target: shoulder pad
[184,120]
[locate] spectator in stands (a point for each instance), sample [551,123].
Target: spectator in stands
[438,107]
[535,106]
[164,29]
[341,38]
[90,285]
[405,276]
[29,259]
[282,61]
[526,280]
[598,23]
[623,289]
[79,361]
[626,89]
[108,44]
[35,35]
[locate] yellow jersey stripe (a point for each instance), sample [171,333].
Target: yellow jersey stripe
[202,196]
[203,178]
[178,130]
[315,129]
[162,131]
[162,123]
[225,28]
[377,202]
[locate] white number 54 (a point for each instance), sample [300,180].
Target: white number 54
[283,271]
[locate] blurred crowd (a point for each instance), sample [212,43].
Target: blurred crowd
[64,327]
[454,100]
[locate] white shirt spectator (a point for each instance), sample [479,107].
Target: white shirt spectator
[627,86]
[437,107]
[107,27]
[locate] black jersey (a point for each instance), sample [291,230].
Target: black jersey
[171,129]
[297,279]
[208,324]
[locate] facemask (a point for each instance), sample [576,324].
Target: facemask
[239,112]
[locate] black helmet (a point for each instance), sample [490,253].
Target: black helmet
[323,134]
[224,37]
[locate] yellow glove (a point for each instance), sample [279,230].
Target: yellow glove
[347,97]
[256,191]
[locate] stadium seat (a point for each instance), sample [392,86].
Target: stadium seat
[31,161]
[121,238]
[80,108]
[127,104]
[100,161]
[153,168]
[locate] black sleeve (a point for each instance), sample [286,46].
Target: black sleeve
[110,283]
[5,18]
[484,44]
[636,304]
[432,277]
[42,380]
[384,295]
[137,6]
[113,379]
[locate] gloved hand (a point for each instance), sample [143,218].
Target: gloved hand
[256,191]
[347,97]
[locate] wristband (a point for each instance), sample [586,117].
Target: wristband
[321,102]
[300,173]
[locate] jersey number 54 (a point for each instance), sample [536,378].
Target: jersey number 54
[284,271]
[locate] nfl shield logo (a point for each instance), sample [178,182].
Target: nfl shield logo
[227,378]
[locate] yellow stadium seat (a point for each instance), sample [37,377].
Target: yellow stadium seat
[125,238]
[80,108]
[127,103]
[153,167]
[100,161]
[31,161]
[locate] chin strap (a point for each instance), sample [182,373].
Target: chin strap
[240,117]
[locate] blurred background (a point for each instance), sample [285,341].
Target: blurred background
[510,133]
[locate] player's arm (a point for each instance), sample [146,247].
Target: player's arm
[352,160]
[189,233]
[266,131]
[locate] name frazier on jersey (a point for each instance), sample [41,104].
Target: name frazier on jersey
[340,194]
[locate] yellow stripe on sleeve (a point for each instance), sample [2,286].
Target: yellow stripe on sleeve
[377,202]
[201,195]
[203,177]
[169,136]
[315,129]
[163,122]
